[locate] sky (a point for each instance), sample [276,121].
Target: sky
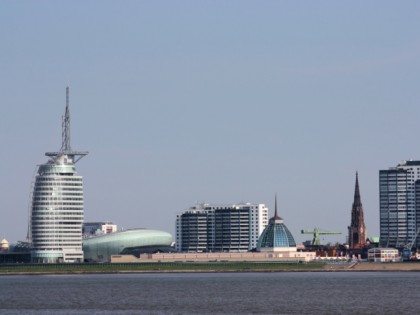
[180,102]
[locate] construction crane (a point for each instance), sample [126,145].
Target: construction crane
[406,254]
[316,233]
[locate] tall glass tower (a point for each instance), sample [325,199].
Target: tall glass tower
[399,189]
[56,215]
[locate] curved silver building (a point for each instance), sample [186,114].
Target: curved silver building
[57,205]
[129,242]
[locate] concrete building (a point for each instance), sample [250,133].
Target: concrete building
[194,230]
[91,229]
[220,228]
[56,217]
[399,197]
[380,254]
[284,256]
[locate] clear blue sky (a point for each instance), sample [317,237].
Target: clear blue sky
[215,101]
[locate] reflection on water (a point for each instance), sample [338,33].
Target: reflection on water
[213,293]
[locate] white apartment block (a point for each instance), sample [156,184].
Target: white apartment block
[220,228]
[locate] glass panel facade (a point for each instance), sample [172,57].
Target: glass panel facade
[57,213]
[276,235]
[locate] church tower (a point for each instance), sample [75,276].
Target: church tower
[357,228]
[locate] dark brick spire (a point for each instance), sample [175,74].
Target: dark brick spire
[357,201]
[357,228]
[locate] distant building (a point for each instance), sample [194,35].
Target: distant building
[57,204]
[357,228]
[15,258]
[276,236]
[220,228]
[399,196]
[98,228]
[20,247]
[15,253]
[380,254]
[4,245]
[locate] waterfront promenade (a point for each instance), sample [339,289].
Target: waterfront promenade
[204,267]
[400,266]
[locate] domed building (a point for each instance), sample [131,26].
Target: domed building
[276,236]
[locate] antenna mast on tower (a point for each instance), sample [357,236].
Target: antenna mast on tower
[65,135]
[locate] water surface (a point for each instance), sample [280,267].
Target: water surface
[213,293]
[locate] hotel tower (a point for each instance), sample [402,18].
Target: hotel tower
[399,212]
[56,214]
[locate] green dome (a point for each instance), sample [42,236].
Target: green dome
[276,234]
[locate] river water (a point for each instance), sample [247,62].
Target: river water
[213,293]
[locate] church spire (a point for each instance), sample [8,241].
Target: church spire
[357,200]
[357,228]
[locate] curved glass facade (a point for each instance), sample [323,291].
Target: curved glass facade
[101,248]
[57,212]
[276,235]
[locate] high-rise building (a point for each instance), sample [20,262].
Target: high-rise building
[220,228]
[194,229]
[399,197]
[357,228]
[56,217]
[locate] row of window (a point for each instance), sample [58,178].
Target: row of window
[41,189]
[74,212]
[38,198]
[78,204]
[59,193]
[76,207]
[56,231]
[60,184]
[61,178]
[39,246]
[63,238]
[51,218]
[40,224]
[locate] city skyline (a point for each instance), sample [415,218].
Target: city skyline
[217,102]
